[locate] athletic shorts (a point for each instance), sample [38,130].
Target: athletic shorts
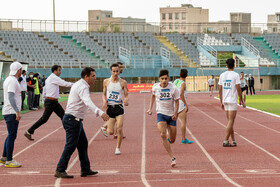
[182,106]
[115,110]
[243,89]
[230,106]
[167,119]
[211,86]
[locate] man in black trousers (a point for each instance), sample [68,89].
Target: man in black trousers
[51,95]
[251,83]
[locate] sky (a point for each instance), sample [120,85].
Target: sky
[147,9]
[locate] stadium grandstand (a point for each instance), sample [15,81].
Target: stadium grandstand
[143,53]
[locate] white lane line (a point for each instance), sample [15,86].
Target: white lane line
[259,124]
[259,147]
[58,180]
[28,147]
[143,161]
[213,161]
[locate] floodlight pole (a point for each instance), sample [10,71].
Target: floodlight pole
[53,15]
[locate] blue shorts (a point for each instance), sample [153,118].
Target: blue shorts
[167,119]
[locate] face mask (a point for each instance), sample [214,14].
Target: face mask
[31,76]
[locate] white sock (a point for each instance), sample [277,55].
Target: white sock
[226,142]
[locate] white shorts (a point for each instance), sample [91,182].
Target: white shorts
[181,106]
[230,106]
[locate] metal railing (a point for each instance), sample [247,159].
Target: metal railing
[245,43]
[154,27]
[207,47]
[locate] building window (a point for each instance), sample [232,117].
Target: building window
[170,15]
[274,29]
[97,17]
[170,26]
[225,29]
[163,16]
[278,17]
[108,15]
[183,15]
[176,26]
[176,15]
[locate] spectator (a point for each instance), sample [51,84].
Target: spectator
[36,91]
[251,83]
[23,85]
[30,90]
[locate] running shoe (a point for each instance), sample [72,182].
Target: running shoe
[28,136]
[117,152]
[234,144]
[3,160]
[173,162]
[186,141]
[168,140]
[104,131]
[227,145]
[12,164]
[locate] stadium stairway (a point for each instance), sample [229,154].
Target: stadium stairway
[265,46]
[174,49]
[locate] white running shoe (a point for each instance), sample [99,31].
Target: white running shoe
[117,152]
[104,131]
[173,162]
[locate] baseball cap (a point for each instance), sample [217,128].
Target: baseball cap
[14,67]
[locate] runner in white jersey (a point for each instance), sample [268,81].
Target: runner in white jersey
[211,83]
[166,94]
[229,87]
[113,90]
[243,86]
[104,127]
[183,107]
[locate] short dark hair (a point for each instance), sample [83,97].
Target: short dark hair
[114,65]
[23,71]
[55,67]
[36,75]
[230,63]
[86,72]
[183,73]
[120,63]
[241,72]
[163,72]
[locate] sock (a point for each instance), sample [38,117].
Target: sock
[234,142]
[226,142]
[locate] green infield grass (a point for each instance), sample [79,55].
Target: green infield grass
[63,97]
[268,103]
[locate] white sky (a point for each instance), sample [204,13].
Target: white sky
[148,9]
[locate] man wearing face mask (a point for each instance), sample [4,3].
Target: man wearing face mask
[23,85]
[30,91]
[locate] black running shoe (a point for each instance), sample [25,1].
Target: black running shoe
[234,144]
[227,145]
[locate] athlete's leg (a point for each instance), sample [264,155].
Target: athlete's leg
[183,120]
[162,127]
[172,131]
[110,126]
[229,130]
[119,130]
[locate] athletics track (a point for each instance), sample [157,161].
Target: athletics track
[144,162]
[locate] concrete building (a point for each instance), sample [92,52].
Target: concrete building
[240,22]
[6,25]
[103,21]
[273,23]
[186,18]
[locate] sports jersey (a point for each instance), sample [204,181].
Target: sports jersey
[114,93]
[165,98]
[229,80]
[211,82]
[242,83]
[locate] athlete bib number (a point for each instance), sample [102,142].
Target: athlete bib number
[227,84]
[165,94]
[114,96]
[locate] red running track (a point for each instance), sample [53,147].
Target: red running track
[144,162]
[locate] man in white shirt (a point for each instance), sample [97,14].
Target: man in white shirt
[11,113]
[167,97]
[229,87]
[211,83]
[51,95]
[78,103]
[23,85]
